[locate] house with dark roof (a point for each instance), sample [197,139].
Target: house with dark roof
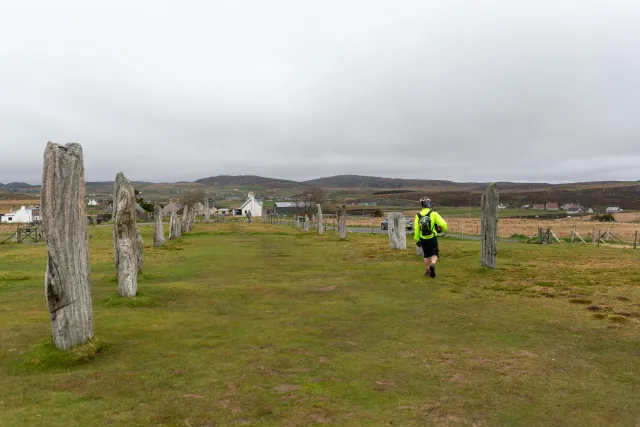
[286,209]
[552,206]
[538,207]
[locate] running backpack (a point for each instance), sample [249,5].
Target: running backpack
[425,223]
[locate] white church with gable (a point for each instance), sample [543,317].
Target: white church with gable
[251,205]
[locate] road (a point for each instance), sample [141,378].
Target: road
[378,230]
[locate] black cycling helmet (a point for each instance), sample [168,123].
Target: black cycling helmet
[425,202]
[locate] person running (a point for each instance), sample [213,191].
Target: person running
[428,224]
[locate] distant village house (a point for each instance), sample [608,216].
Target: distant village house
[22,215]
[251,205]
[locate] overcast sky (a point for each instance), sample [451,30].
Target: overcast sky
[435,89]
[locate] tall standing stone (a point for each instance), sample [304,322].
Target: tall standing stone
[207,212]
[139,249]
[158,228]
[66,279]
[489,226]
[342,222]
[175,228]
[320,221]
[185,219]
[191,218]
[265,215]
[397,231]
[125,236]
[306,223]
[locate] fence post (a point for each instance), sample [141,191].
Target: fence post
[593,238]
[598,240]
[635,240]
[573,234]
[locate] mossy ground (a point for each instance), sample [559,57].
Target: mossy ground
[262,325]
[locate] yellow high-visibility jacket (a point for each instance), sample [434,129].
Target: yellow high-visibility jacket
[436,219]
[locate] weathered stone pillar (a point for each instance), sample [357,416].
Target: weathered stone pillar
[207,213]
[158,228]
[342,222]
[320,221]
[175,228]
[139,249]
[397,231]
[125,236]
[306,223]
[185,219]
[66,280]
[192,218]
[265,215]
[489,226]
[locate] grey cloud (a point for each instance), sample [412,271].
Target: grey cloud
[459,90]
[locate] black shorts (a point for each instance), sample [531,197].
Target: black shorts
[430,247]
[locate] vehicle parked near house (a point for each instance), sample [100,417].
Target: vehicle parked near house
[385,224]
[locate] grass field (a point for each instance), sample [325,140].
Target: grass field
[260,325]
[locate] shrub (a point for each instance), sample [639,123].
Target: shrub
[605,217]
[377,213]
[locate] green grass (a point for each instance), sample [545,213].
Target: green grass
[262,325]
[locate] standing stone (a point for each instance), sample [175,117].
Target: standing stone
[342,222]
[66,279]
[297,222]
[265,215]
[185,219]
[419,251]
[489,226]
[306,223]
[125,236]
[139,249]
[207,212]
[397,231]
[175,228]
[191,218]
[320,221]
[158,228]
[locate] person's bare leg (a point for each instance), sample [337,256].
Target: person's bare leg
[427,264]
[432,268]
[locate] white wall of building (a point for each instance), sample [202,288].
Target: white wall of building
[23,215]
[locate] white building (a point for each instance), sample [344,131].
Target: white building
[23,215]
[613,209]
[92,202]
[251,205]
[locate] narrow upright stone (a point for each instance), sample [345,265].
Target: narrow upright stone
[397,231]
[320,221]
[66,280]
[125,236]
[175,228]
[306,223]
[489,226]
[192,218]
[139,249]
[207,212]
[158,228]
[185,219]
[342,222]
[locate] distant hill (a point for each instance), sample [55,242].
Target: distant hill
[359,181]
[17,185]
[248,180]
